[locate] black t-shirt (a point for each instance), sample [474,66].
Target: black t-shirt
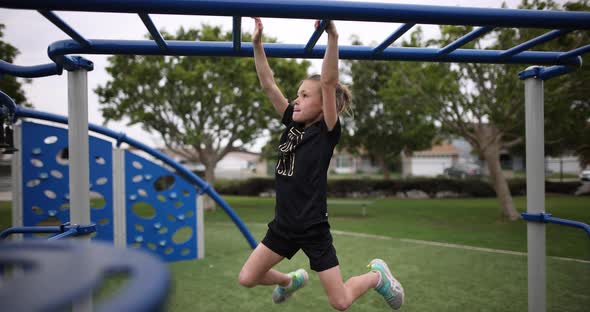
[301,174]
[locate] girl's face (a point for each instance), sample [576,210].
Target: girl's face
[308,104]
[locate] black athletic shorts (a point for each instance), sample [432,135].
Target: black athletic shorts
[316,243]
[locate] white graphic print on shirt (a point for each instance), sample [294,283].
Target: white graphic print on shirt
[286,163]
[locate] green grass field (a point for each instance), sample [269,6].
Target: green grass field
[435,278]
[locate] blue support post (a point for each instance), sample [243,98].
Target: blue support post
[65,28]
[533,42]
[147,21]
[316,36]
[392,38]
[464,40]
[237,33]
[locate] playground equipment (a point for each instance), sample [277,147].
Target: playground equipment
[546,66]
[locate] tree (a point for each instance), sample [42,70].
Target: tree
[391,103]
[9,84]
[489,113]
[202,107]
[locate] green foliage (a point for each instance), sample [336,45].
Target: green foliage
[393,104]
[9,84]
[203,107]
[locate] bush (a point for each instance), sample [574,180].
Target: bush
[433,187]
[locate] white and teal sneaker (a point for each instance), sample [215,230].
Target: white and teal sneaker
[299,279]
[388,286]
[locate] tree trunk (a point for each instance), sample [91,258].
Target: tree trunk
[384,168]
[210,178]
[492,158]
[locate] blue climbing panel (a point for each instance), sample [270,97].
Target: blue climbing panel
[161,208]
[46,179]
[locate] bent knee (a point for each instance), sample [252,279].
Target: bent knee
[340,304]
[247,280]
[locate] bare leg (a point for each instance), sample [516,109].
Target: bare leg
[342,295]
[258,269]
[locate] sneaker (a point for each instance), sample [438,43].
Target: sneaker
[299,279]
[388,287]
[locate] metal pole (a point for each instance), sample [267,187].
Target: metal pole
[17,181]
[119,211]
[535,178]
[78,158]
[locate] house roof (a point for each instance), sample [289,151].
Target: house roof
[443,149]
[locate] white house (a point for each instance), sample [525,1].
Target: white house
[431,162]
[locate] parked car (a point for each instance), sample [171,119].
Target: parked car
[463,171]
[585,175]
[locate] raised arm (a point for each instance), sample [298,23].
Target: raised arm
[329,77]
[264,72]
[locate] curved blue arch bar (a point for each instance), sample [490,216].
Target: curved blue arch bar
[209,48]
[206,188]
[30,71]
[332,10]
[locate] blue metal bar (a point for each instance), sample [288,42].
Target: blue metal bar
[64,230]
[147,21]
[533,42]
[70,232]
[30,71]
[65,27]
[392,38]
[200,48]
[330,10]
[316,36]
[548,218]
[237,33]
[24,112]
[29,230]
[575,52]
[464,40]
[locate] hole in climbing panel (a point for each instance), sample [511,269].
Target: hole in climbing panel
[36,162]
[142,193]
[50,140]
[50,194]
[143,210]
[56,174]
[63,156]
[37,210]
[137,165]
[164,183]
[97,201]
[182,235]
[33,183]
[99,160]
[138,178]
[102,181]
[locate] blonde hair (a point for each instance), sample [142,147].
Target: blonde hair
[343,95]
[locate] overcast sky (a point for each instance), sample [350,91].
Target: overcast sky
[31,33]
